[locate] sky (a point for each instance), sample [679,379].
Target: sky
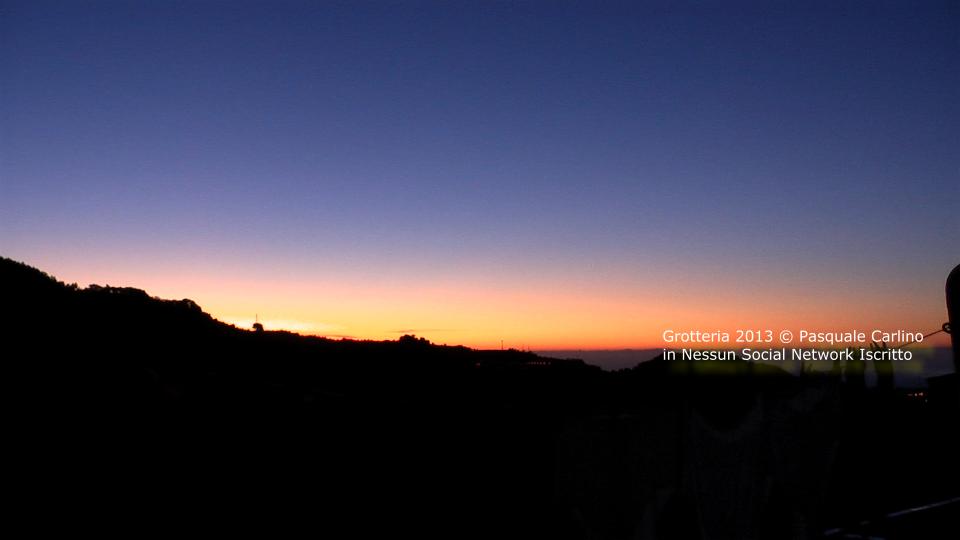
[546,175]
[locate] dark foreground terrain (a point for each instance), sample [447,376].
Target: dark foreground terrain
[132,414]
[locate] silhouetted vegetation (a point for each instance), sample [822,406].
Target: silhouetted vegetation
[140,414]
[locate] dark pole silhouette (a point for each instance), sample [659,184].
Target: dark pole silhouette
[953,313]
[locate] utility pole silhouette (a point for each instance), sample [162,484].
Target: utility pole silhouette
[953,314]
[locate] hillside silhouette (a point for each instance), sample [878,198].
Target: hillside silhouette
[137,414]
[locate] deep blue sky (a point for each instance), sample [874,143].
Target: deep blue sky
[807,149]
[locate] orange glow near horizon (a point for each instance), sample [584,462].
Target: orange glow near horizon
[539,315]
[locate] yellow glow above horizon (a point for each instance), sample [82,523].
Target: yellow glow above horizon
[541,314]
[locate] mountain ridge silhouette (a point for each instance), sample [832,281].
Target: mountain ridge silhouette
[33,295]
[133,414]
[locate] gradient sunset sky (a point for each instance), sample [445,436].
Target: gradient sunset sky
[550,174]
